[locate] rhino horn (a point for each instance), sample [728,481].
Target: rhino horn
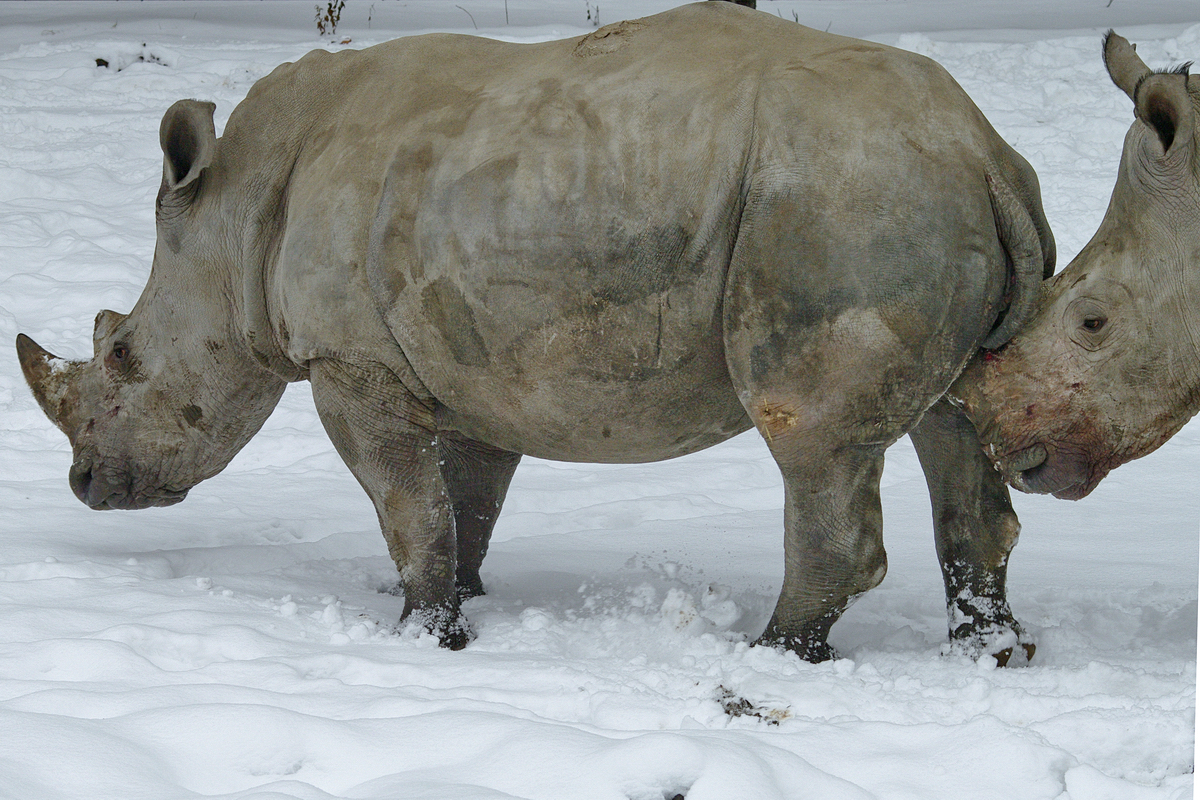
[53,381]
[1124,65]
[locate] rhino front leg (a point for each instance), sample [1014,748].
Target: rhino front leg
[975,529]
[833,542]
[388,439]
[477,478]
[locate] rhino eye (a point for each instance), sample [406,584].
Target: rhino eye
[1086,322]
[121,361]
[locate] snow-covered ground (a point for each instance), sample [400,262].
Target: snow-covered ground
[238,645]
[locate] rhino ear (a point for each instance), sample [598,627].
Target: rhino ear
[106,323]
[1123,64]
[189,142]
[1164,105]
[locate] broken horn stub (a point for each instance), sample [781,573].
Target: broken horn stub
[52,381]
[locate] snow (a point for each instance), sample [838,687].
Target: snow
[239,645]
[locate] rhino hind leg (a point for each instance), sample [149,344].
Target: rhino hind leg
[975,530]
[833,543]
[387,438]
[477,478]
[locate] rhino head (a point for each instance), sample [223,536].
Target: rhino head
[1109,368]
[172,392]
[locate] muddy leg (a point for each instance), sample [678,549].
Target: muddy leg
[833,545]
[387,438]
[476,477]
[975,530]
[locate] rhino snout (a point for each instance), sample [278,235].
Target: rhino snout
[1039,470]
[96,487]
[103,488]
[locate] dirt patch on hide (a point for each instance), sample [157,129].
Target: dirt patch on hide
[608,39]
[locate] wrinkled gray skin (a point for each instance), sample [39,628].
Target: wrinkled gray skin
[619,248]
[1110,367]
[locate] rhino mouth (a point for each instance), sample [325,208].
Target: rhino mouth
[102,489]
[1041,470]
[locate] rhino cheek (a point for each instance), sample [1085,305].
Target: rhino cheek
[1029,422]
[987,392]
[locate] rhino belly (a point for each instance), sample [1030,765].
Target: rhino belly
[535,366]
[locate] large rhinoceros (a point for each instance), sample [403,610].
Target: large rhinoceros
[618,248]
[1109,369]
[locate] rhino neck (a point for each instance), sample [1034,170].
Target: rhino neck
[259,172]
[1189,316]
[264,142]
[261,238]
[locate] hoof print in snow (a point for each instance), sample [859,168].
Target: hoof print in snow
[122,59]
[734,705]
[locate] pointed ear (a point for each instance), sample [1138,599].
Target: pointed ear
[1123,64]
[106,322]
[189,142]
[1164,105]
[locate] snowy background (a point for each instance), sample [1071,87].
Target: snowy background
[238,645]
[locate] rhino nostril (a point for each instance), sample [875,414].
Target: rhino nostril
[93,486]
[80,479]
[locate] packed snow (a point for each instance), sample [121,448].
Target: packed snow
[243,644]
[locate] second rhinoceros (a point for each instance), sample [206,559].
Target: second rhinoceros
[1109,368]
[617,248]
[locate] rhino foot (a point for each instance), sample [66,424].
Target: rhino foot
[813,649]
[447,624]
[1006,642]
[1018,654]
[1002,658]
[469,588]
[983,624]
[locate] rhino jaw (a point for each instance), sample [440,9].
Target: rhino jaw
[53,381]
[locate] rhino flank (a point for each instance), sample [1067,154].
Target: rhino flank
[1109,369]
[618,248]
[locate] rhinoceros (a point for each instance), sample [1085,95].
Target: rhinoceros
[1109,368]
[622,247]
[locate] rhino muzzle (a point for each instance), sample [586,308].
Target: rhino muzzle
[1038,470]
[102,488]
